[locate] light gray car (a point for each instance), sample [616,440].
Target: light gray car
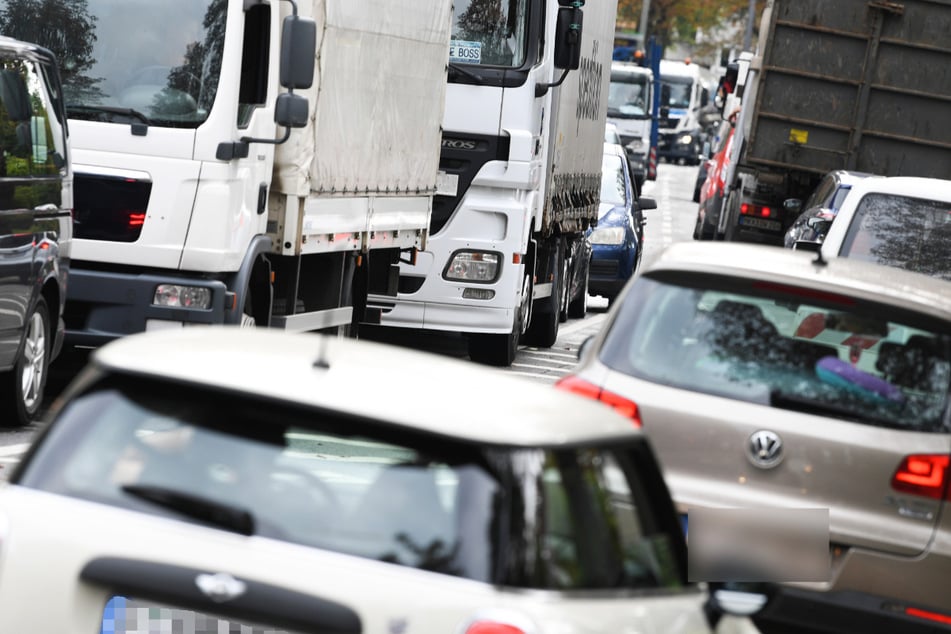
[766,378]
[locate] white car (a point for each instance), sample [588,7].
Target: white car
[903,222]
[190,480]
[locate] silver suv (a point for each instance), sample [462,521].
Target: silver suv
[765,378]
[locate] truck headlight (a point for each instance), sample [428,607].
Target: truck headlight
[685,139]
[182,296]
[635,145]
[473,266]
[607,235]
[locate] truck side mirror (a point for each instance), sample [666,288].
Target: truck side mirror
[290,110]
[568,38]
[298,43]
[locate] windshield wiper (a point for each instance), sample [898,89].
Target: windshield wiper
[462,70]
[224,516]
[112,110]
[813,406]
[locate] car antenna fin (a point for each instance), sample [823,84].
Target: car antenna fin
[820,261]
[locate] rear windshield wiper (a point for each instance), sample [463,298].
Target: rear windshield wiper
[813,406]
[224,516]
[462,70]
[111,110]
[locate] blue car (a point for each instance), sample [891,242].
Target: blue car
[618,239]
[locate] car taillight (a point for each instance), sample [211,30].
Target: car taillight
[922,474]
[623,406]
[756,210]
[493,627]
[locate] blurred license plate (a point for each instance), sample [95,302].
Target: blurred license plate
[759,223]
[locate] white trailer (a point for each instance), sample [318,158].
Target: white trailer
[196,202]
[523,160]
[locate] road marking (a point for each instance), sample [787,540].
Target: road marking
[14,450]
[581,325]
[534,375]
[537,367]
[545,354]
[567,363]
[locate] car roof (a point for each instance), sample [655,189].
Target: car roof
[862,280]
[911,186]
[407,388]
[613,149]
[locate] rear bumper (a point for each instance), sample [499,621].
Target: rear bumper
[802,611]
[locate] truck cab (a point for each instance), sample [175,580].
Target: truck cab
[629,108]
[683,94]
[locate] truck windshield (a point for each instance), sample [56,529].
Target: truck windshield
[675,93]
[129,60]
[628,95]
[489,32]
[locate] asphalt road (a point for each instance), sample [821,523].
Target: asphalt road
[672,221]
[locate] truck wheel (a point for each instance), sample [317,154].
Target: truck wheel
[578,307]
[543,329]
[21,389]
[566,291]
[500,350]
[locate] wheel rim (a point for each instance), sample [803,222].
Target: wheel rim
[34,362]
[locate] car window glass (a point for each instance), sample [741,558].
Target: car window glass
[613,187]
[354,494]
[596,530]
[903,232]
[839,197]
[852,362]
[821,193]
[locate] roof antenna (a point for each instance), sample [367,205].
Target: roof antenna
[322,361]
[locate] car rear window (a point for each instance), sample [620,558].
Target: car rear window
[785,347]
[571,518]
[902,232]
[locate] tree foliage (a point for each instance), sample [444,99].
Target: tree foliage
[67,29]
[676,21]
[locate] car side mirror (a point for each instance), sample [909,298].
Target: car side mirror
[792,206]
[646,203]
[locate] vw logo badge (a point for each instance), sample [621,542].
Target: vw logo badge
[765,449]
[220,587]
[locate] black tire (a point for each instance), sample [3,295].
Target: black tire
[22,388]
[578,307]
[500,350]
[543,329]
[566,275]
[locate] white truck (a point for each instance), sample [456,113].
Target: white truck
[522,149]
[630,102]
[196,202]
[683,93]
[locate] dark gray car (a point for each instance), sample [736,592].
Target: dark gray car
[35,226]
